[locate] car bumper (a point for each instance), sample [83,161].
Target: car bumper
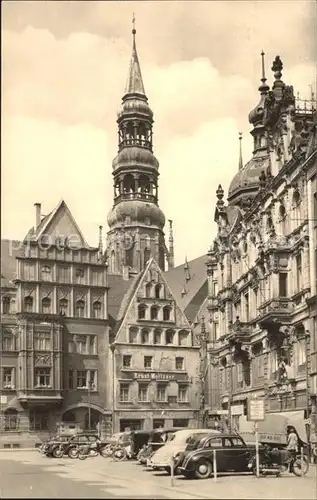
[157,465]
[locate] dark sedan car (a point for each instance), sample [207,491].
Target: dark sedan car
[232,454]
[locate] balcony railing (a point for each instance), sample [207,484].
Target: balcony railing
[43,395]
[135,196]
[275,309]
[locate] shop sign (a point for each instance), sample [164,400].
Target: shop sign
[256,409]
[237,410]
[153,376]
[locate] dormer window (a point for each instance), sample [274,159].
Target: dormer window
[166,313]
[141,311]
[46,305]
[148,290]
[154,313]
[157,291]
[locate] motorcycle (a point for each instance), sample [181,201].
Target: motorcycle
[277,461]
[92,450]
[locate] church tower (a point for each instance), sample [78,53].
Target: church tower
[135,222]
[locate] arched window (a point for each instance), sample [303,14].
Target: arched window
[96,309]
[63,306]
[10,419]
[28,304]
[183,337]
[113,261]
[80,308]
[157,336]
[144,184]
[128,184]
[141,311]
[154,312]
[46,273]
[46,305]
[282,211]
[6,302]
[169,336]
[166,313]
[148,290]
[145,336]
[133,335]
[157,291]
[147,255]
[296,198]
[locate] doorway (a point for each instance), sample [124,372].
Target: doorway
[132,425]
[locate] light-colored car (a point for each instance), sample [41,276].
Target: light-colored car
[172,450]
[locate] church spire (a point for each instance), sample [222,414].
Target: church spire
[134,83]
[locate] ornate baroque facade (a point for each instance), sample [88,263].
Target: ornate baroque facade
[262,265]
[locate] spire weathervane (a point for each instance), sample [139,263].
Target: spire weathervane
[133,26]
[263,66]
[263,87]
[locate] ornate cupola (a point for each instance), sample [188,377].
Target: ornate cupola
[245,183]
[136,222]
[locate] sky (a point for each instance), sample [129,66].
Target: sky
[64,70]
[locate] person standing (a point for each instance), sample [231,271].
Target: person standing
[292,444]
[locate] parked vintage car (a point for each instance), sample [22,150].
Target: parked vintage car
[157,439]
[162,458]
[52,447]
[71,445]
[232,454]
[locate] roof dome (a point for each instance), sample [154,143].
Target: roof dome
[248,177]
[135,105]
[135,155]
[138,211]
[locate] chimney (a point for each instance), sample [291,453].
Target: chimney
[37,214]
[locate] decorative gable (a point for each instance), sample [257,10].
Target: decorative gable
[153,317]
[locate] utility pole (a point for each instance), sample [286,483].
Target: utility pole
[89,403]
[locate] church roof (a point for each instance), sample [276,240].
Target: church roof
[195,286]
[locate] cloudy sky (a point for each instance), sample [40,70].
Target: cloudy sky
[64,71]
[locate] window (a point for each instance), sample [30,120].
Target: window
[183,393]
[179,363]
[148,290]
[124,392]
[46,305]
[6,305]
[180,422]
[11,419]
[246,307]
[133,336]
[80,309]
[182,337]
[96,310]
[97,277]
[80,275]
[127,361]
[29,271]
[157,291]
[161,392]
[213,443]
[70,379]
[28,304]
[166,313]
[145,336]
[86,379]
[283,285]
[215,288]
[39,421]
[143,392]
[42,341]
[46,273]
[8,382]
[216,330]
[63,274]
[42,377]
[63,307]
[169,336]
[298,272]
[85,344]
[154,312]
[157,336]
[148,362]
[141,311]
[8,340]
[301,346]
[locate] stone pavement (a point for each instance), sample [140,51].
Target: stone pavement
[32,475]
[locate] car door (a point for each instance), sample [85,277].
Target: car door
[240,454]
[211,444]
[228,454]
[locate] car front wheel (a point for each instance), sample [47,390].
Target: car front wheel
[73,452]
[203,469]
[57,452]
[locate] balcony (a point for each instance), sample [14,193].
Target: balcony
[39,397]
[135,196]
[275,311]
[239,332]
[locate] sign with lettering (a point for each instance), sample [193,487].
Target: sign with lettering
[3,400]
[154,376]
[256,410]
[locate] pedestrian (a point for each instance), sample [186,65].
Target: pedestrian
[292,445]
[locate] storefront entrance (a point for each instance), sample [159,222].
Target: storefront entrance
[132,425]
